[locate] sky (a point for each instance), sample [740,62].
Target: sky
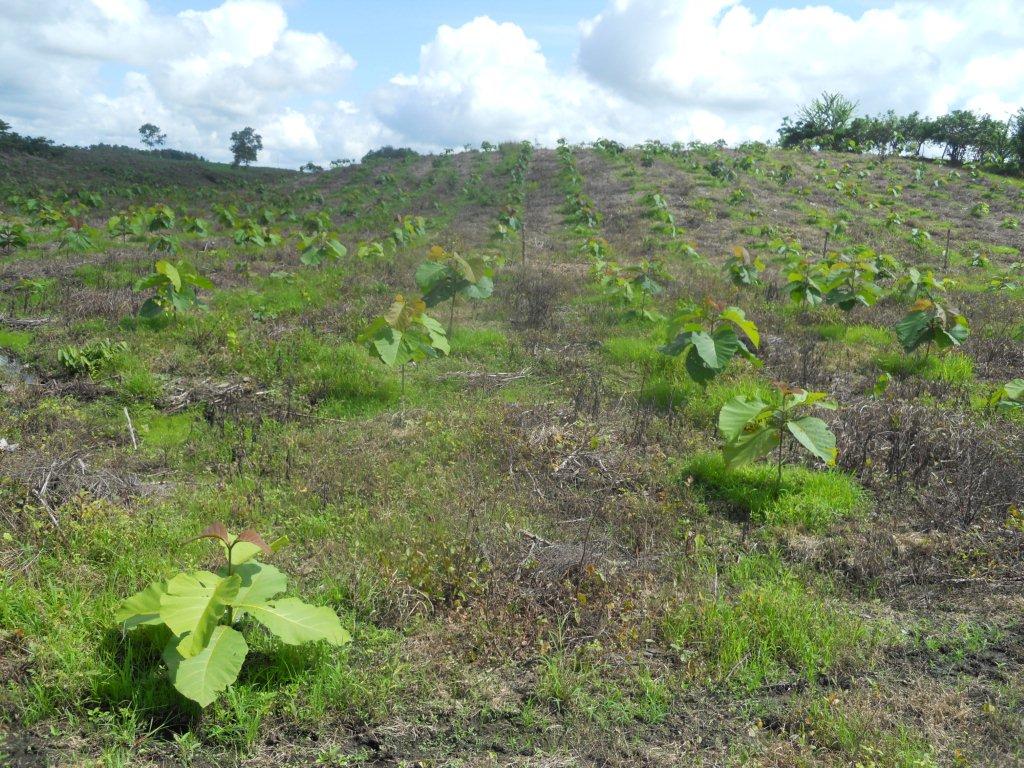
[327,79]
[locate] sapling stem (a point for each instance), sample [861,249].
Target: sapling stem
[231,610]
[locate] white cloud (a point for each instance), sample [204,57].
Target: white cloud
[488,80]
[705,69]
[93,70]
[717,55]
[199,75]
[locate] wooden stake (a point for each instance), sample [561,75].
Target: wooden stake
[131,429]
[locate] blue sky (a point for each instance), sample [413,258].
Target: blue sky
[322,80]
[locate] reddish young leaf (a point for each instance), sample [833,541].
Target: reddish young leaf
[216,531]
[252,537]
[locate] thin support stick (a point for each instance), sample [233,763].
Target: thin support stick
[131,429]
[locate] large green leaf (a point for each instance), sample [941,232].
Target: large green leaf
[738,317]
[750,446]
[429,273]
[912,330]
[168,269]
[260,583]
[679,342]
[297,622]
[437,334]
[481,289]
[1014,390]
[737,413]
[814,435]
[151,308]
[387,345]
[705,348]
[203,676]
[142,607]
[193,605]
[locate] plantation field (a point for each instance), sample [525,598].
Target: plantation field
[519,509]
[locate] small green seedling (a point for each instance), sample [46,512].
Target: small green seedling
[754,428]
[446,276]
[1008,397]
[743,269]
[12,236]
[708,338]
[405,334]
[204,612]
[81,361]
[175,289]
[930,323]
[319,247]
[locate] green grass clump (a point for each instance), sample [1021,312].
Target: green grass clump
[952,368]
[826,723]
[132,379]
[812,500]
[868,334]
[767,627]
[16,341]
[575,686]
[164,430]
[632,350]
[484,345]
[344,378]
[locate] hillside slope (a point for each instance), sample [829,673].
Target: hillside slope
[533,540]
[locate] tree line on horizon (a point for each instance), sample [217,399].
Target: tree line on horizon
[830,122]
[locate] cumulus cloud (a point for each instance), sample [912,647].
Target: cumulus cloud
[198,74]
[488,80]
[93,70]
[706,69]
[721,57]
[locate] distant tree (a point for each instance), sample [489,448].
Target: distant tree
[916,130]
[824,123]
[1016,133]
[882,134]
[245,145]
[958,133]
[311,167]
[5,127]
[341,162]
[994,141]
[151,136]
[389,153]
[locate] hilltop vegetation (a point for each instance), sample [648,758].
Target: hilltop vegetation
[482,395]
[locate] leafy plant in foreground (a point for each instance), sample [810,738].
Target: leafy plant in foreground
[202,609]
[754,428]
[175,289]
[708,341]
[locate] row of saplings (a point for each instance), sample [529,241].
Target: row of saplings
[202,612]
